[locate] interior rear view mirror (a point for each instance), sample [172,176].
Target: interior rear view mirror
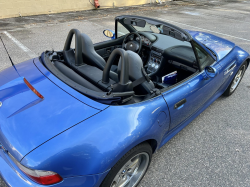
[109,34]
[135,22]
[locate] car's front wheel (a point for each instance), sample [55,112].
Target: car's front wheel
[236,80]
[130,169]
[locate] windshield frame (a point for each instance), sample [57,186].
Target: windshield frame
[181,34]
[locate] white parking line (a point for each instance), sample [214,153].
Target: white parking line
[33,55]
[204,29]
[20,45]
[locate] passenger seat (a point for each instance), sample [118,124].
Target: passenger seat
[75,77]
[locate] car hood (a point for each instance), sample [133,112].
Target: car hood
[220,46]
[27,121]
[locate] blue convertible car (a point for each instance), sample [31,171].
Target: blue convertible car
[93,115]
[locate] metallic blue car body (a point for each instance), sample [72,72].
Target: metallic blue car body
[81,139]
[221,47]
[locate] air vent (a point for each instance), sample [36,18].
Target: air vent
[157,50]
[174,33]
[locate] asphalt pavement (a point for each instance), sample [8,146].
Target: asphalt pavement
[213,150]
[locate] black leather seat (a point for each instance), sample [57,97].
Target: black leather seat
[135,72]
[90,56]
[85,54]
[75,77]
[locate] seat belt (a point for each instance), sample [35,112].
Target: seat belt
[138,81]
[142,79]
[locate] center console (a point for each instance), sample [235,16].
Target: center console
[154,60]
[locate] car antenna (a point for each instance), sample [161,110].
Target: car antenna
[7,52]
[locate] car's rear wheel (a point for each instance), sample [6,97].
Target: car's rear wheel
[236,80]
[131,168]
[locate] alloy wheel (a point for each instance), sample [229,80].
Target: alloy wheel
[132,171]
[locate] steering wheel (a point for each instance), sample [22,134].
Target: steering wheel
[133,45]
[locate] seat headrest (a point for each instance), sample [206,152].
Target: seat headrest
[89,54]
[135,72]
[135,66]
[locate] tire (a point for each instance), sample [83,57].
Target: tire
[133,165]
[236,80]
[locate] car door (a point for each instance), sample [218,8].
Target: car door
[190,95]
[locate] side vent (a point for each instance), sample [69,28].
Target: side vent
[174,33]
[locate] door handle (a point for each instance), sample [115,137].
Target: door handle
[180,103]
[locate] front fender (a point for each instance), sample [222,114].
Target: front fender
[95,145]
[237,56]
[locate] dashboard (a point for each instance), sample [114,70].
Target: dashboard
[144,40]
[154,60]
[153,54]
[161,46]
[171,49]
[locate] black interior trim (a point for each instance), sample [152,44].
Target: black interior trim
[94,76]
[78,44]
[109,43]
[125,43]
[101,97]
[74,76]
[182,54]
[181,82]
[149,36]
[124,76]
[105,52]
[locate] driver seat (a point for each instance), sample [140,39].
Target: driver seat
[91,56]
[135,73]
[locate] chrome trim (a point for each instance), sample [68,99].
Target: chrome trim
[230,68]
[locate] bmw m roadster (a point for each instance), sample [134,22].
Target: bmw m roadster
[93,114]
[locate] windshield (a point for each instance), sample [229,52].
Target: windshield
[142,24]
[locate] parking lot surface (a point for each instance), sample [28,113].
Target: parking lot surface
[213,150]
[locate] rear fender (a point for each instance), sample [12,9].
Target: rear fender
[95,145]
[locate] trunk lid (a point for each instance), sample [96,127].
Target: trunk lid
[27,121]
[218,45]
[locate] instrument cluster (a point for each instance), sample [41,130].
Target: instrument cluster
[144,40]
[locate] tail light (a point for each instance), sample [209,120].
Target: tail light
[39,176]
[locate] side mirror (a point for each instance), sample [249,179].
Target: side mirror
[109,34]
[211,72]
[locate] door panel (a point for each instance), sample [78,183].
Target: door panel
[104,49]
[186,99]
[105,52]
[109,43]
